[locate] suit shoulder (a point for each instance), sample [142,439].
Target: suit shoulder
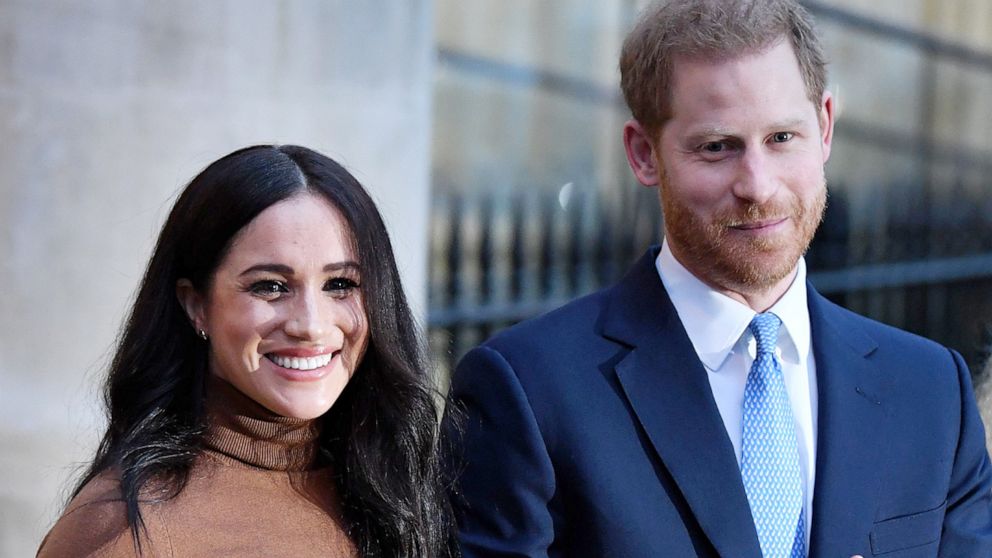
[538,350]
[899,348]
[887,334]
[573,321]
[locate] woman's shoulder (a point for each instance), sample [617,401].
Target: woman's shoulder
[94,524]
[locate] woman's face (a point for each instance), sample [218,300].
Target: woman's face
[284,311]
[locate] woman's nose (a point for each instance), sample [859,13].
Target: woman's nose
[310,317]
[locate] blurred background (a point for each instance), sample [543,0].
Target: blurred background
[489,134]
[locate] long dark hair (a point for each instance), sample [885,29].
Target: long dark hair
[381,433]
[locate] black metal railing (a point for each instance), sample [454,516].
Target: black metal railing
[498,261]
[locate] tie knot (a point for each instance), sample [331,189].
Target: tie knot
[764,327]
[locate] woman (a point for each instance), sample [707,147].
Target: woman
[268,395]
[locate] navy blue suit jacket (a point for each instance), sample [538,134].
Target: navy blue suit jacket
[592,431]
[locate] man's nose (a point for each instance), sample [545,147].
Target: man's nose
[757,179]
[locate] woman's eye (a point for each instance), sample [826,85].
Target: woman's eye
[782,137]
[340,284]
[268,288]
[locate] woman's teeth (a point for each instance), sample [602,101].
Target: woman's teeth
[301,363]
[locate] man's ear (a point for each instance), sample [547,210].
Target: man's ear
[640,149]
[192,303]
[827,117]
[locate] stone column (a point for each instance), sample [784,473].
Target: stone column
[106,110]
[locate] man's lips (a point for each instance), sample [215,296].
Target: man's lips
[759,225]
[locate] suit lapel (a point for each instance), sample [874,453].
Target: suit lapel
[667,388]
[850,427]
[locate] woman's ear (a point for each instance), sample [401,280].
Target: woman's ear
[192,303]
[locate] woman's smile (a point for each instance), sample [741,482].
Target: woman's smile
[285,313]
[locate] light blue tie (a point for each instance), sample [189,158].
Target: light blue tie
[769,451]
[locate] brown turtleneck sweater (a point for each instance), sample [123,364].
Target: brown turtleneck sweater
[257,489]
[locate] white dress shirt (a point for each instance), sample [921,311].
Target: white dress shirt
[717,325]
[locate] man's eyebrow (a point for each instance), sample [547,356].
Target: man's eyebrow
[710,131]
[789,123]
[283,269]
[717,131]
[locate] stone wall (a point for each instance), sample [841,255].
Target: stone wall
[107,108]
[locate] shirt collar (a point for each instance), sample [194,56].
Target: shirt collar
[715,322]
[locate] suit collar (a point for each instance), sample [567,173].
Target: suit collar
[668,391]
[851,428]
[666,386]
[713,321]
[716,322]
[639,308]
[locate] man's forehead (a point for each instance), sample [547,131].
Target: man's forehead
[723,77]
[718,57]
[741,96]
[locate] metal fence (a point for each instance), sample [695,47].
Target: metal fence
[919,255]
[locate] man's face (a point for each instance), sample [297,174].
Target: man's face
[740,168]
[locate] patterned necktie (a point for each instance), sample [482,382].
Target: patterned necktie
[769,451]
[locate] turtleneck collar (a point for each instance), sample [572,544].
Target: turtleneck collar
[245,431]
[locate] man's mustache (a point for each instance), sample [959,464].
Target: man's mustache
[753,213]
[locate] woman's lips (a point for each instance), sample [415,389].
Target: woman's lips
[301,363]
[302,368]
[302,352]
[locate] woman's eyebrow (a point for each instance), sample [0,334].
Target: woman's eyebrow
[283,269]
[338,266]
[270,267]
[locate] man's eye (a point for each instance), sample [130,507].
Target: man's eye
[340,284]
[268,288]
[714,147]
[782,137]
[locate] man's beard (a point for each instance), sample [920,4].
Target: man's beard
[751,264]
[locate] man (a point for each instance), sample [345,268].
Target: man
[712,403]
